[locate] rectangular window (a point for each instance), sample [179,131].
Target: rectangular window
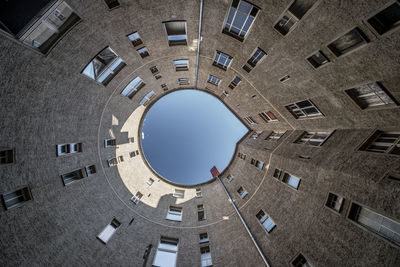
[135,39]
[65,149]
[313,138]
[383,142]
[115,161]
[136,198]
[277,173]
[164,87]
[234,82]
[16,198]
[265,221]
[167,252]
[73,176]
[203,238]
[36,24]
[303,109]
[154,69]
[254,136]
[109,231]
[198,192]
[132,154]
[371,95]
[275,136]
[240,19]
[174,214]
[176,32]
[348,42]
[230,178]
[213,80]
[131,140]
[334,202]
[318,59]
[133,87]
[91,169]
[246,68]
[257,163]
[250,120]
[143,52]
[112,3]
[183,81]
[300,261]
[150,181]
[242,156]
[387,19]
[200,213]
[178,193]
[104,66]
[284,78]
[7,156]
[110,142]
[242,192]
[375,222]
[291,180]
[147,98]
[181,64]
[393,177]
[268,116]
[256,57]
[222,60]
[205,256]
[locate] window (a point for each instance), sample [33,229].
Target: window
[198,192]
[164,87]
[73,176]
[213,80]
[265,221]
[104,66]
[246,68]
[383,142]
[205,256]
[300,261]
[136,198]
[318,59]
[133,87]
[222,60]
[234,82]
[203,238]
[291,180]
[112,3]
[371,95]
[295,12]
[16,198]
[250,120]
[183,81]
[7,156]
[275,136]
[115,161]
[167,252]
[284,78]
[65,149]
[200,213]
[348,42]
[178,193]
[242,192]
[181,64]
[131,140]
[174,214]
[90,170]
[155,72]
[150,181]
[387,19]
[109,231]
[132,154]
[268,116]
[240,18]
[135,39]
[143,52]
[242,156]
[176,32]
[38,26]
[110,142]
[313,138]
[230,178]
[303,109]
[375,222]
[257,163]
[277,173]
[254,136]
[256,57]
[147,98]
[334,202]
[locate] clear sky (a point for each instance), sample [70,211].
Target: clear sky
[186,133]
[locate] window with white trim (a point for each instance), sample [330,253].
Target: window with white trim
[131,140]
[334,202]
[304,109]
[150,181]
[147,98]
[104,66]
[167,252]
[255,58]
[176,32]
[234,82]
[268,116]
[371,95]
[250,120]
[383,142]
[318,59]
[143,52]
[222,60]
[136,198]
[115,161]
[109,231]
[133,87]
[179,193]
[387,19]
[313,138]
[181,64]
[265,221]
[71,177]
[375,222]
[348,42]
[201,216]
[7,156]
[135,39]
[240,19]
[205,256]
[291,180]
[17,197]
[203,238]
[213,80]
[183,81]
[110,142]
[242,192]
[275,136]
[174,214]
[71,148]
[198,192]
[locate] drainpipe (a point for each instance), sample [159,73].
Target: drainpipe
[198,43]
[245,225]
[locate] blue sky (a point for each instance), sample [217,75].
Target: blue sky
[186,133]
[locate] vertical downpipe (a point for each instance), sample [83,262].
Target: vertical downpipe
[198,44]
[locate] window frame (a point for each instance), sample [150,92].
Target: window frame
[167,240]
[329,61]
[267,117]
[137,41]
[133,89]
[174,211]
[341,201]
[269,138]
[287,182]
[113,224]
[217,63]
[244,192]
[9,159]
[373,14]
[180,66]
[306,116]
[59,152]
[183,81]
[360,33]
[175,43]
[264,219]
[27,197]
[213,80]
[177,194]
[371,139]
[307,142]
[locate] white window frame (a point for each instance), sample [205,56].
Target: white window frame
[275,136]
[150,181]
[199,193]
[250,120]
[147,98]
[22,195]
[206,260]
[377,92]
[70,147]
[374,141]
[265,221]
[174,213]
[179,193]
[105,235]
[268,116]
[133,87]
[300,112]
[181,64]
[213,80]
[135,38]
[291,180]
[225,62]
[176,39]
[136,198]
[243,192]
[166,245]
[313,138]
